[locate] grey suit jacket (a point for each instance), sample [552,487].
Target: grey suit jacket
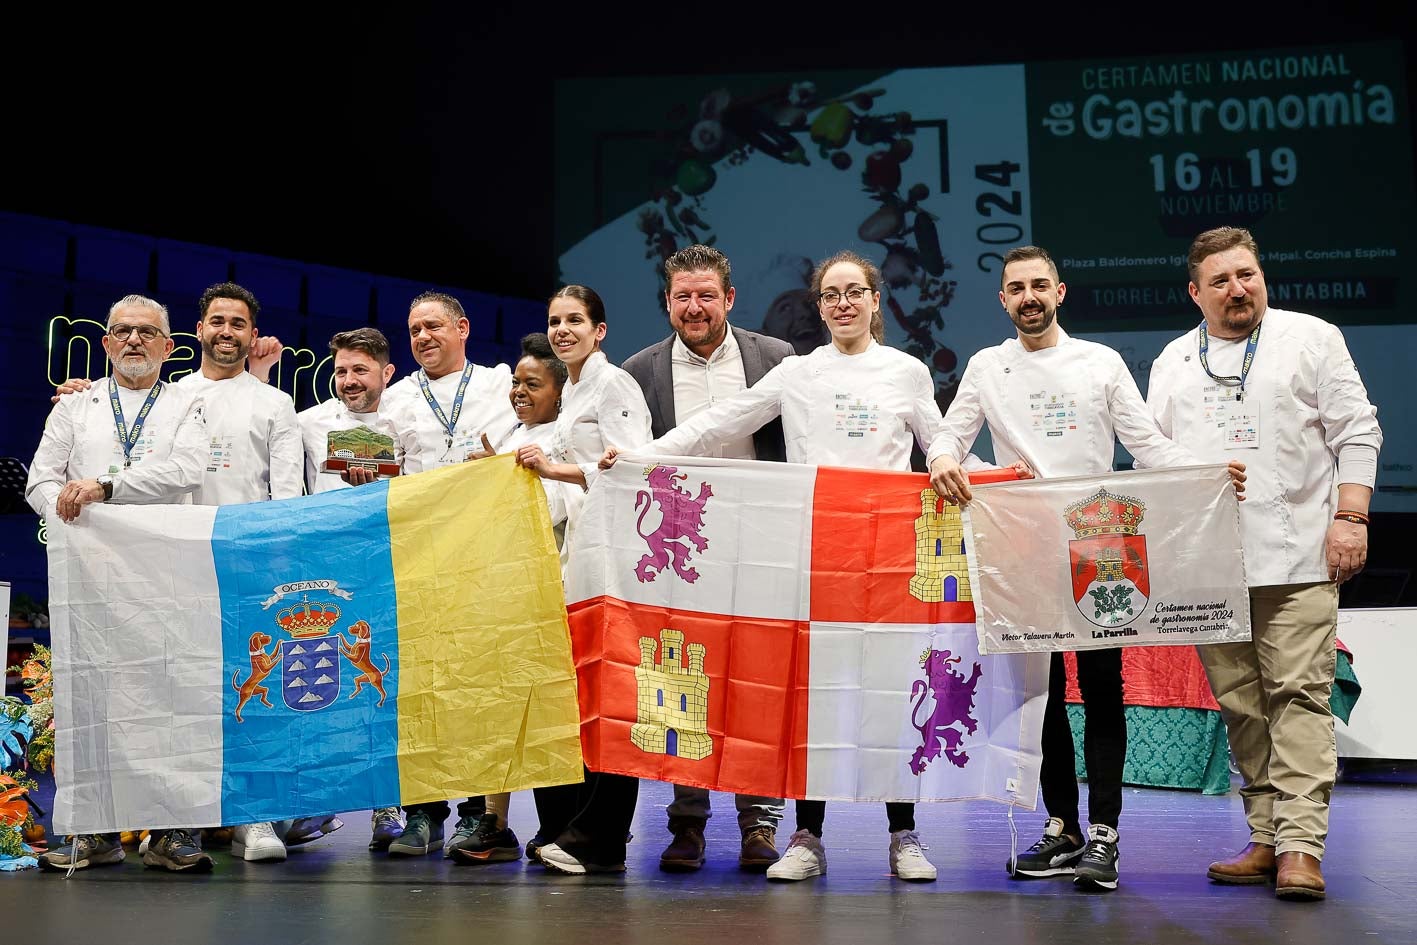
[653,369]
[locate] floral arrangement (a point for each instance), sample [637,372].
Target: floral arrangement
[26,744]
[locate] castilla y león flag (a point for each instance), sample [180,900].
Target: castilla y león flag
[791,631]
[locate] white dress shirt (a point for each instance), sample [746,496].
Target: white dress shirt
[424,440]
[81,442]
[255,450]
[316,425]
[1057,409]
[604,408]
[699,383]
[1313,426]
[837,410]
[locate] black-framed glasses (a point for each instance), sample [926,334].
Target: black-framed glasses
[831,297]
[145,332]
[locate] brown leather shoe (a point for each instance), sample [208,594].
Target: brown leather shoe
[1298,877]
[686,853]
[759,849]
[1251,866]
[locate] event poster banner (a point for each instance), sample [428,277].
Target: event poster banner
[1144,558]
[1113,165]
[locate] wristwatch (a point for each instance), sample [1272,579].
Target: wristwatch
[107,483]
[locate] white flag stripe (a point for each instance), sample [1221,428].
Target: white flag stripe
[1182,533]
[870,700]
[757,524]
[165,717]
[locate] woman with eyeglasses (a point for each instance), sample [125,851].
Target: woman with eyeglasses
[897,393]
[600,405]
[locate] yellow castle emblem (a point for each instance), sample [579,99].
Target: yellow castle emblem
[941,569]
[673,700]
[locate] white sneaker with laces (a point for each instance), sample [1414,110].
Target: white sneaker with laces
[907,858]
[256,842]
[804,858]
[555,858]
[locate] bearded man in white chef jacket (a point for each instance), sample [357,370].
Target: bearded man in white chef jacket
[1057,403]
[1279,391]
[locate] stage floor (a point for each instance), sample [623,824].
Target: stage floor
[334,890]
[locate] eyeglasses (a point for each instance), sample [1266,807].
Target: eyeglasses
[831,297]
[145,332]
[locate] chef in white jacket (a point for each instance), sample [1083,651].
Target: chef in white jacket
[1279,391]
[255,448]
[131,439]
[444,409]
[1059,404]
[361,372]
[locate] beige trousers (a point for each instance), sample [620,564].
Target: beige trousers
[1273,694]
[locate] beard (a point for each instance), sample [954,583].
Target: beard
[1240,319]
[1049,315]
[209,350]
[361,402]
[711,337]
[135,370]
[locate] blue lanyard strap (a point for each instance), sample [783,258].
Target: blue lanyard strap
[129,438]
[448,424]
[1230,380]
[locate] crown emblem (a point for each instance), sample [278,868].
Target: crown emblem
[307,619]
[1105,514]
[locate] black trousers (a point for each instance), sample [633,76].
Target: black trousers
[438,811]
[811,814]
[1104,741]
[590,820]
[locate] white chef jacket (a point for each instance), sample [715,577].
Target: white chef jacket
[255,450]
[837,410]
[563,499]
[316,425]
[486,408]
[81,442]
[1316,428]
[699,383]
[1057,409]
[604,408]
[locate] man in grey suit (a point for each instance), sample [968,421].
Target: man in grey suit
[707,360]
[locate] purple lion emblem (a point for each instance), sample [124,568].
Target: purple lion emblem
[954,700]
[682,520]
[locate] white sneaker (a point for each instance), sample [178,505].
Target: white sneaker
[805,857]
[254,842]
[908,858]
[555,858]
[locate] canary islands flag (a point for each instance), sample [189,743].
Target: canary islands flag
[792,631]
[400,642]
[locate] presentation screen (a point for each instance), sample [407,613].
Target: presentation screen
[1112,165]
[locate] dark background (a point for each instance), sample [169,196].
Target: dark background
[419,143]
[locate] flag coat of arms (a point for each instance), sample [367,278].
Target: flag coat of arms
[1143,558]
[400,642]
[788,630]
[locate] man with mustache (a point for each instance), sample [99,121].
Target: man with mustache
[131,440]
[1058,403]
[448,411]
[704,361]
[1280,390]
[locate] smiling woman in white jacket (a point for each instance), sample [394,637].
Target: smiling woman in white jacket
[600,405]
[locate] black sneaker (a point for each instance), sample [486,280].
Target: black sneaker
[1054,855]
[419,837]
[83,851]
[177,851]
[1098,867]
[487,844]
[386,826]
[534,845]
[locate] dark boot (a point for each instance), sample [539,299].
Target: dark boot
[686,853]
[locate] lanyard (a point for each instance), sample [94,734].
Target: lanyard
[449,425]
[129,438]
[1231,380]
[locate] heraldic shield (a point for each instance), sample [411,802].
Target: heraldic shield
[1111,584]
[310,662]
[1111,577]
